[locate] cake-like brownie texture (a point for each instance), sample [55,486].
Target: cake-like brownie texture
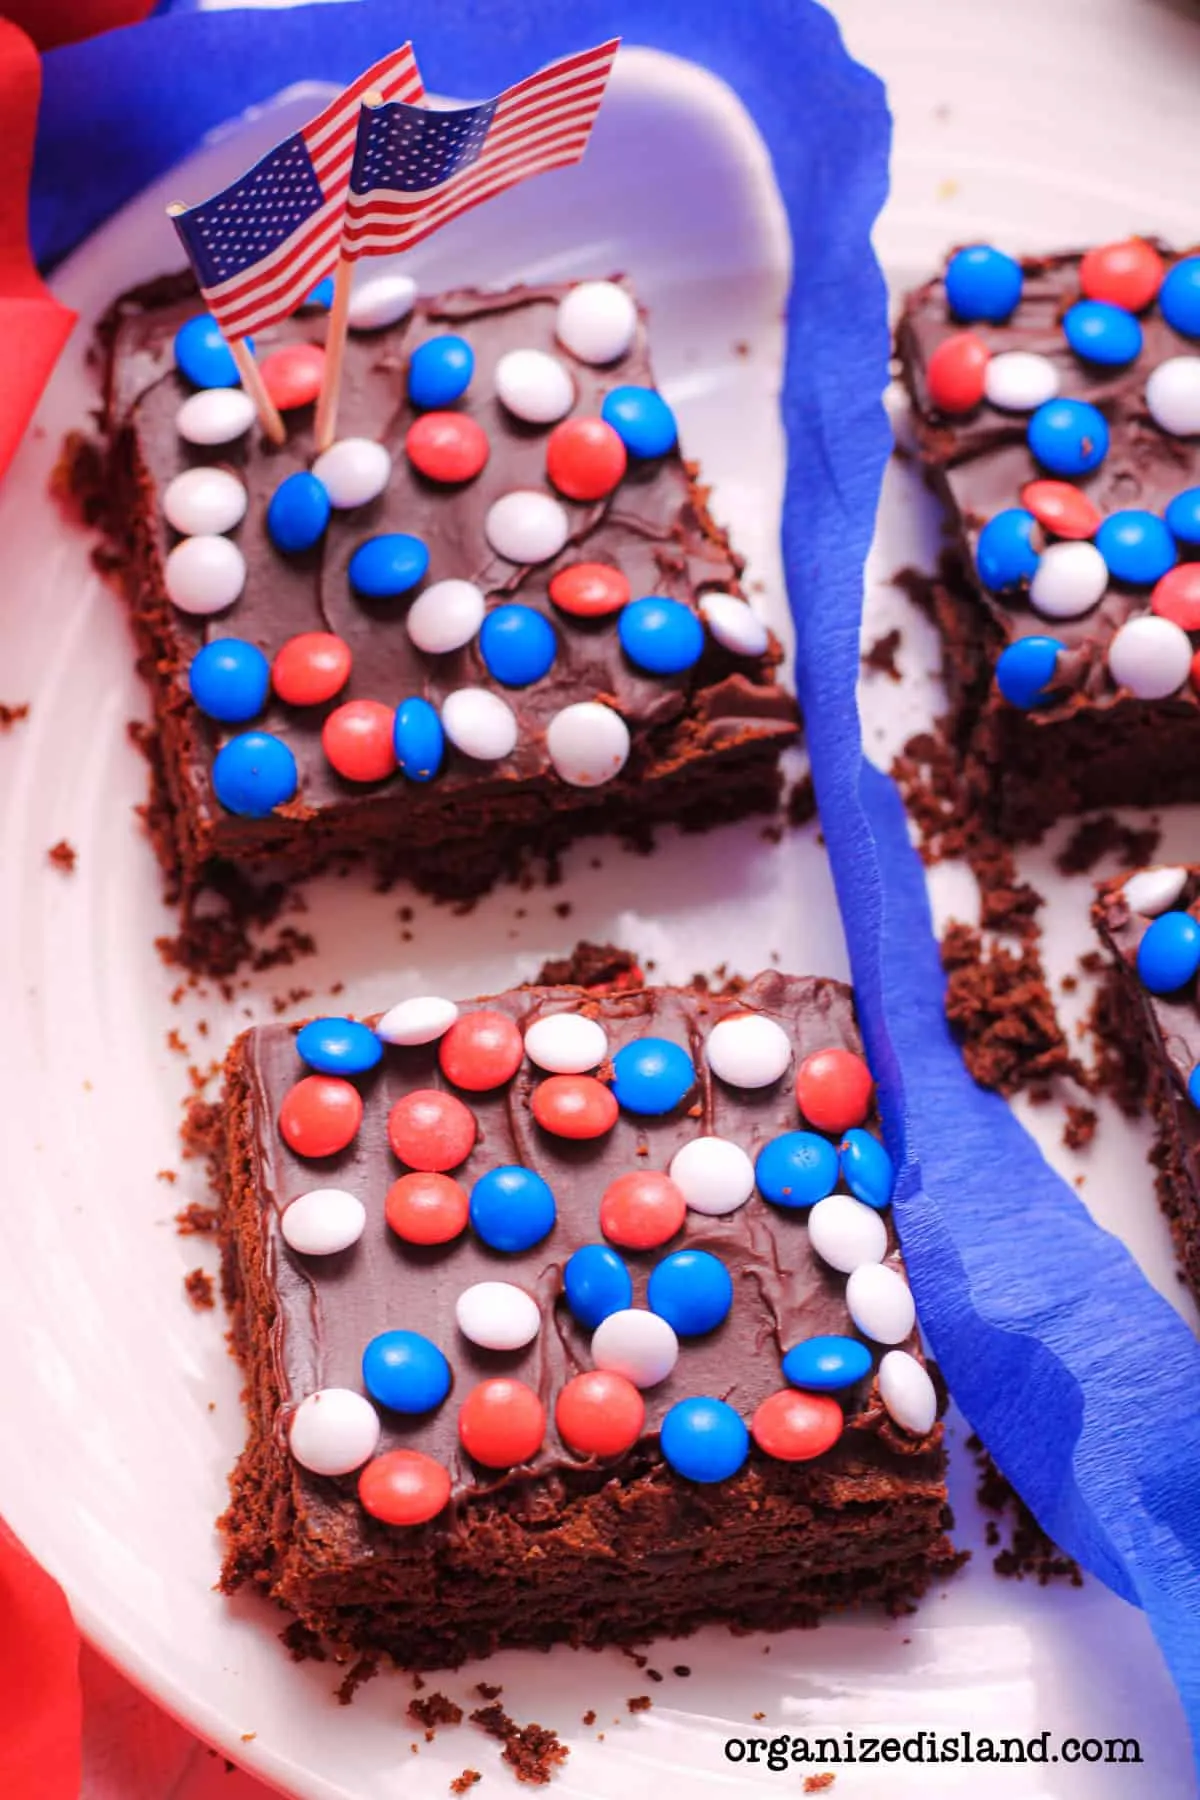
[704,740]
[1109,718]
[836,1497]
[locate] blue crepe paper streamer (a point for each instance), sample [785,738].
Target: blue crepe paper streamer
[1080,1379]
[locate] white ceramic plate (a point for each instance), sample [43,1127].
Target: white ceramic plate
[119,1405]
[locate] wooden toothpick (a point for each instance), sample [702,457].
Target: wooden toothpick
[335,336]
[269,416]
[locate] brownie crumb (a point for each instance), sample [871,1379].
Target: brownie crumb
[360,1672]
[195,1219]
[604,968]
[653,1675]
[488,1690]
[170,1176]
[12,715]
[800,806]
[301,1644]
[1080,1127]
[466,1780]
[1028,1551]
[589,1717]
[198,1285]
[1093,839]
[63,856]
[1118,1053]
[1002,1014]
[818,1784]
[437,1709]
[639,1703]
[758,1715]
[531,1751]
[880,657]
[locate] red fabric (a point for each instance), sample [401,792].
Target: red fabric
[51,22]
[40,1710]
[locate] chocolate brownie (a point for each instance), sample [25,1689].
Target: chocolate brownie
[659,1474]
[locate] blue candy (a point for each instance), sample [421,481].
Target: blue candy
[440,371]
[797,1169]
[866,1168]
[704,1440]
[692,1290]
[1169,954]
[1102,332]
[1194,1086]
[1183,516]
[1068,437]
[662,636]
[512,1208]
[1005,554]
[202,354]
[1179,297]
[420,741]
[322,294]
[229,680]
[827,1364]
[652,1076]
[641,419]
[253,774]
[338,1046]
[983,283]
[298,512]
[596,1283]
[517,644]
[1137,546]
[405,1372]
[385,566]
[1025,669]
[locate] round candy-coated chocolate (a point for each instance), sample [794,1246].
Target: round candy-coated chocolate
[588,743]
[481,1050]
[204,574]
[421,1020]
[447,447]
[292,375]
[1102,333]
[652,1076]
[323,1222]
[512,1208]
[596,1283]
[1151,657]
[479,723]
[1183,516]
[322,295]
[424,1208]
[879,1302]
[229,679]
[1177,596]
[418,739]
[692,1290]
[596,321]
[642,1210]
[387,565]
[1068,437]
[440,370]
[311,668]
[1069,580]
[1137,546]
[954,374]
[907,1392]
[353,471]
[734,624]
[1169,953]
[599,1413]
[517,644]
[704,1439]
[845,1233]
[827,1364]
[1026,668]
[204,500]
[431,1131]
[748,1050]
[320,1115]
[590,590]
[405,1372]
[641,419]
[338,1046]
[866,1168]
[253,774]
[585,459]
[661,636]
[714,1175]
[380,300]
[333,1431]
[1152,891]
[638,1345]
[203,356]
[833,1089]
[1173,396]
[527,526]
[404,1487]
[1179,297]
[1193,1086]
[298,513]
[574,1106]
[1006,553]
[1063,509]
[357,739]
[566,1043]
[445,616]
[497,1316]
[798,1168]
[1020,381]
[534,386]
[795,1427]
[502,1423]
[1128,273]
[215,416]
[982,283]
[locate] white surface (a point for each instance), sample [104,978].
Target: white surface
[124,1403]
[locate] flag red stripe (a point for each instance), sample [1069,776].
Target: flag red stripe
[394,71]
[340,143]
[601,58]
[269,274]
[367,238]
[265,304]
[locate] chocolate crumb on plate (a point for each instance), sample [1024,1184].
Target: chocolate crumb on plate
[880,657]
[63,856]
[466,1780]
[200,1289]
[1028,1551]
[639,1703]
[12,715]
[435,1709]
[1080,1127]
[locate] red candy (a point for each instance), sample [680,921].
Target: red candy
[642,1210]
[600,1414]
[1129,274]
[426,1208]
[575,1106]
[585,458]
[794,1427]
[1061,508]
[833,1089]
[320,1115]
[404,1487]
[954,374]
[431,1131]
[481,1050]
[292,376]
[502,1423]
[1177,596]
[590,590]
[311,668]
[447,446]
[358,738]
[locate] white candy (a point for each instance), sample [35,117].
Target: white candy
[353,471]
[713,1175]
[534,386]
[334,1431]
[1151,657]
[526,526]
[748,1051]
[445,616]
[596,321]
[1069,579]
[566,1043]
[204,574]
[1152,891]
[203,501]
[498,1316]
[1173,396]
[215,416]
[907,1392]
[587,743]
[1020,380]
[479,723]
[638,1345]
[736,626]
[418,1021]
[380,301]
[323,1221]
[846,1234]
[880,1303]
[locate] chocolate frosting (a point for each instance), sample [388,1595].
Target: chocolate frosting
[1174,1019]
